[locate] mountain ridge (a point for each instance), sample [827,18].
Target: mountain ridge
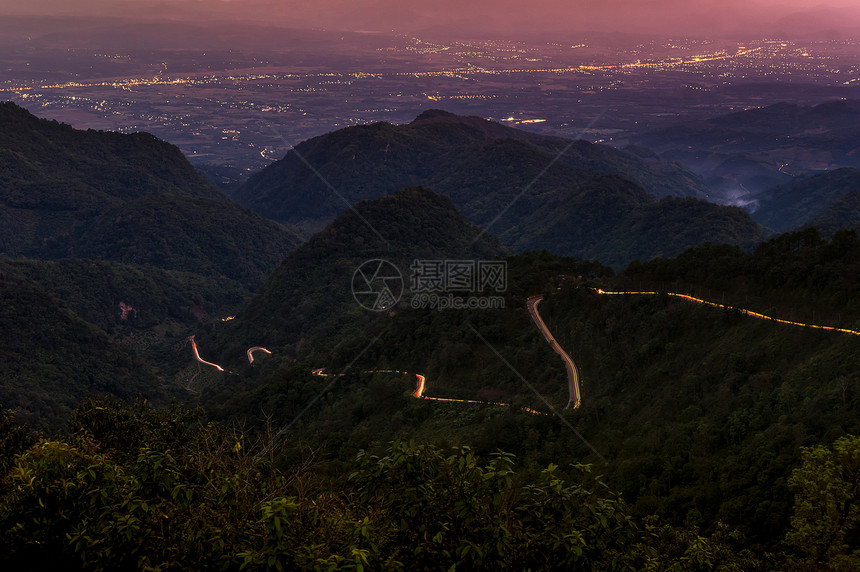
[499,176]
[52,358]
[750,151]
[367,161]
[309,295]
[67,193]
[799,203]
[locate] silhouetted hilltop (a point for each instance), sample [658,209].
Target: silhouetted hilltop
[535,192]
[367,161]
[802,201]
[748,152]
[308,301]
[131,198]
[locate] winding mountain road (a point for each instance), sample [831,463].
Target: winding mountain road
[726,307]
[572,373]
[422,385]
[199,359]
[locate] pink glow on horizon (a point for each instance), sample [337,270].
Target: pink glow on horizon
[508,17]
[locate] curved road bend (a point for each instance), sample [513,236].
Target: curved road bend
[422,385]
[572,373]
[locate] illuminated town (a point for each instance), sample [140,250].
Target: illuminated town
[243,110]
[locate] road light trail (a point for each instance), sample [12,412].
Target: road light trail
[201,360]
[422,385]
[575,398]
[419,392]
[735,308]
[256,349]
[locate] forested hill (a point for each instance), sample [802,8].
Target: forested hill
[128,198]
[751,151]
[698,414]
[52,359]
[609,219]
[182,253]
[204,236]
[795,273]
[308,302]
[52,166]
[841,214]
[801,202]
[570,197]
[368,161]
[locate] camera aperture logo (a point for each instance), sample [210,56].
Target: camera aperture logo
[377,285]
[436,284]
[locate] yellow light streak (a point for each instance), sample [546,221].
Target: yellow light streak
[422,386]
[256,349]
[198,358]
[735,308]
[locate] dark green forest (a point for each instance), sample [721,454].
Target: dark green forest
[113,250]
[693,413]
[810,199]
[690,451]
[130,198]
[52,358]
[134,487]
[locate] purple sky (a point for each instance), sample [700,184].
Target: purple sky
[511,17]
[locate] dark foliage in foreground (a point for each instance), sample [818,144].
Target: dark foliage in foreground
[137,488]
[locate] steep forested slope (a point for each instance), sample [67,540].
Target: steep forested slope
[52,359]
[131,198]
[571,197]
